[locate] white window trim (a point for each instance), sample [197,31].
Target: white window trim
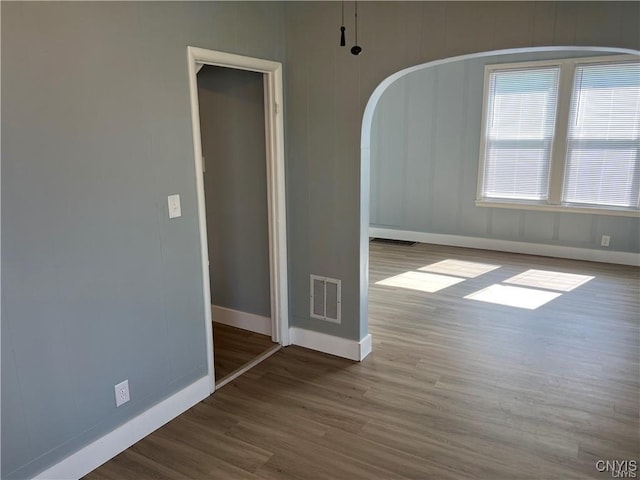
[559,148]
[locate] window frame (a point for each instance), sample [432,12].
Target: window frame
[558,159]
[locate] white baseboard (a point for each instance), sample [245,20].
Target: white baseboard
[244,320]
[105,448]
[338,346]
[558,251]
[366,345]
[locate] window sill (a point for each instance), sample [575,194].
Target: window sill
[545,207]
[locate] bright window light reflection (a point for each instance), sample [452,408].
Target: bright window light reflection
[513,296]
[424,282]
[565,282]
[460,268]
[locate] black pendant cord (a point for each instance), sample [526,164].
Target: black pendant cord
[356,49]
[342,29]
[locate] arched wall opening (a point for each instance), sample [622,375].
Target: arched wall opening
[466,67]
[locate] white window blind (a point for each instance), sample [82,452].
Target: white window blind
[603,166]
[519,132]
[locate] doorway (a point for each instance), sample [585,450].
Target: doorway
[238,145]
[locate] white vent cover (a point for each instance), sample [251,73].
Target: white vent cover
[325,298]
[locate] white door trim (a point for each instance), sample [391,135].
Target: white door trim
[274,137]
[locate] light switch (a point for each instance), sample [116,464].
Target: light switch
[174,206]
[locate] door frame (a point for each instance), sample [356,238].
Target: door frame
[276,200]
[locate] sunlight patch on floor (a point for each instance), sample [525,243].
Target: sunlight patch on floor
[564,282]
[424,282]
[460,268]
[513,296]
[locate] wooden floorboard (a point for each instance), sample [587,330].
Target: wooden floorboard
[454,389]
[235,347]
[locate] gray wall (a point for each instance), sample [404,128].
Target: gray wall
[233,144]
[328,88]
[98,285]
[424,164]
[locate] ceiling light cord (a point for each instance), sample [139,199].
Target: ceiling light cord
[356,49]
[342,29]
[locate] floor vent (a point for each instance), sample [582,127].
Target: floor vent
[325,298]
[392,241]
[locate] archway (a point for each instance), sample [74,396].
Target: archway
[366,141]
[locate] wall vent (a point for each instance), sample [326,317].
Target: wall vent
[325,298]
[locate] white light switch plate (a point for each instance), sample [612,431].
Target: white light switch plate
[174,206]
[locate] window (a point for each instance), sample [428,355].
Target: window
[562,135]
[602,151]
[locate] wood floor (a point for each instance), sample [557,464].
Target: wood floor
[454,389]
[234,347]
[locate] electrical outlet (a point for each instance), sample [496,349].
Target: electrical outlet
[605,240]
[122,393]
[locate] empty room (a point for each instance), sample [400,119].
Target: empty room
[320,239]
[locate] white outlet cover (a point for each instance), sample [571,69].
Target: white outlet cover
[174,206]
[122,392]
